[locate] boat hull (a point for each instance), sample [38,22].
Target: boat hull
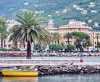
[13,73]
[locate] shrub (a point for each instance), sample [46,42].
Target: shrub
[55,47]
[5,49]
[15,49]
[69,47]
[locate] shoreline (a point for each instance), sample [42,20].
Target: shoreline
[65,68]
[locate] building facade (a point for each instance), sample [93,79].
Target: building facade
[75,26]
[72,26]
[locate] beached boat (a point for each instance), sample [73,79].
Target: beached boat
[16,73]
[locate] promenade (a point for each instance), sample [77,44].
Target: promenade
[16,61]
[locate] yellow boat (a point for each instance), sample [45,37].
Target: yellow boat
[21,78]
[15,73]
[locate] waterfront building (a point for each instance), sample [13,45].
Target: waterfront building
[74,26]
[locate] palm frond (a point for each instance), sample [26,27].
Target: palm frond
[30,29]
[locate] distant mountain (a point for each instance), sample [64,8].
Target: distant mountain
[59,10]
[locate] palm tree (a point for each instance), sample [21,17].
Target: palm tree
[43,40]
[13,30]
[55,37]
[68,36]
[3,31]
[82,40]
[29,30]
[3,37]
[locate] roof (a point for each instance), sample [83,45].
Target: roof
[75,24]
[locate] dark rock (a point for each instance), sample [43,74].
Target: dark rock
[67,69]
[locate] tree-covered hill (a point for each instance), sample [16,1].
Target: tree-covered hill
[59,10]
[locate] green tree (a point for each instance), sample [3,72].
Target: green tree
[68,36]
[82,39]
[55,47]
[29,30]
[55,37]
[69,47]
[80,35]
[13,30]
[3,31]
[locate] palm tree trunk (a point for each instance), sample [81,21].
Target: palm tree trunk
[28,50]
[4,42]
[68,41]
[58,41]
[24,44]
[1,43]
[15,45]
